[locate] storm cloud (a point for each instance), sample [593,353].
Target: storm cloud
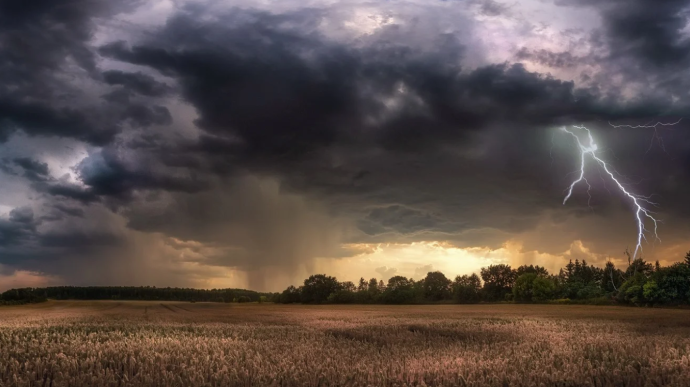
[261,142]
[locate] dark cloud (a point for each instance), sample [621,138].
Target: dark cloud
[300,142]
[144,116]
[72,191]
[338,94]
[71,211]
[38,118]
[44,44]
[19,228]
[344,103]
[651,32]
[399,219]
[82,239]
[33,170]
[108,173]
[552,59]
[137,82]
[646,43]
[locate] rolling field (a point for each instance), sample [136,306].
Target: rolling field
[109,343]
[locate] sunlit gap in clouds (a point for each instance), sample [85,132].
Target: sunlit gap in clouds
[417,258]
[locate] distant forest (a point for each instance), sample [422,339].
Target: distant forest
[32,295]
[641,283]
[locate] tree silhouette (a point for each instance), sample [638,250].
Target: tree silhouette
[498,281]
[436,286]
[467,288]
[398,282]
[318,287]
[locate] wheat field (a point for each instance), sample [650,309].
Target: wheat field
[112,343]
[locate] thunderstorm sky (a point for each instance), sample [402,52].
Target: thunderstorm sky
[251,143]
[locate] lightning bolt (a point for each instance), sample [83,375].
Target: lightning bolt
[588,151]
[656,135]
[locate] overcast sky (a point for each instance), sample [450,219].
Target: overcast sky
[252,143]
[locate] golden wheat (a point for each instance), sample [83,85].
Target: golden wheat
[182,344]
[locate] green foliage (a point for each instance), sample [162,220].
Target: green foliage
[531,287]
[399,290]
[436,286]
[243,299]
[538,270]
[498,281]
[639,266]
[143,293]
[652,293]
[671,285]
[342,296]
[290,295]
[543,289]
[612,278]
[317,288]
[578,282]
[522,290]
[632,290]
[589,291]
[22,296]
[467,289]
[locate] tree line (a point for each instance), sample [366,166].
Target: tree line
[148,293]
[641,283]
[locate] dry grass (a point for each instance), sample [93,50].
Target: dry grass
[174,344]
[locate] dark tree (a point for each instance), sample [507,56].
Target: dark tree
[522,289]
[531,287]
[290,295]
[467,289]
[569,270]
[498,281]
[612,278]
[639,265]
[373,287]
[687,258]
[398,282]
[399,291]
[132,293]
[318,287]
[538,270]
[362,286]
[668,285]
[348,286]
[436,286]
